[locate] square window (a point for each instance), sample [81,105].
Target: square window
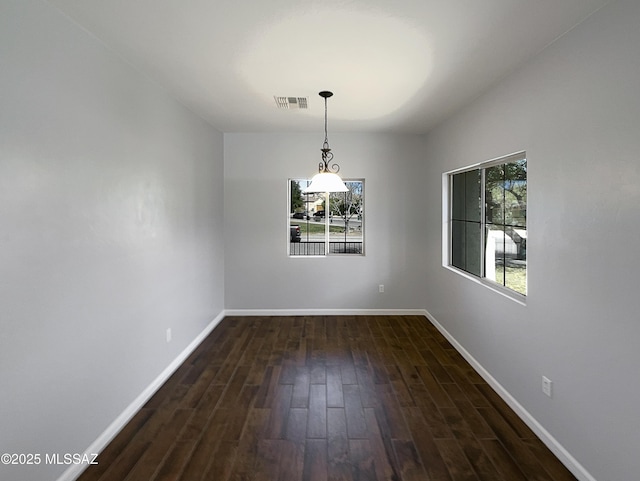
[326,224]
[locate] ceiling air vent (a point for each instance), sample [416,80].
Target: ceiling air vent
[291,102]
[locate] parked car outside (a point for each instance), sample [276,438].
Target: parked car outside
[318,214]
[300,215]
[294,233]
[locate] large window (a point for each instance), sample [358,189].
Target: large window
[488,221]
[321,224]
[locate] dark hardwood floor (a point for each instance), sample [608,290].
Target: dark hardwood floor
[326,398]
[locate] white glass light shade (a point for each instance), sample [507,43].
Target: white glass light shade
[326,182]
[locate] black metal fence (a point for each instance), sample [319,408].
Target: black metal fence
[318,248]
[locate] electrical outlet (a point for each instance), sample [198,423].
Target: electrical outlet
[169,335]
[547,386]
[381,288]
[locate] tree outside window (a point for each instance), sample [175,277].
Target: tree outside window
[488,221]
[336,229]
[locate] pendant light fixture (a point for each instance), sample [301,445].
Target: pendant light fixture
[327,178]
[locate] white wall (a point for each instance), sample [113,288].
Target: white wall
[111,208]
[110,232]
[575,110]
[258,272]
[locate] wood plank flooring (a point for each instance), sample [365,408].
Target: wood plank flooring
[344,398]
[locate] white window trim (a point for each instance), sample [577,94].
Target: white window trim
[327,225]
[446,229]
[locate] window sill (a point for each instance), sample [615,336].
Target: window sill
[503,291]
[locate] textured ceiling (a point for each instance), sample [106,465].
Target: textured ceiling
[397,66]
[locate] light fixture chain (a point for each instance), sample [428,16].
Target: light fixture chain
[327,179]
[326,136]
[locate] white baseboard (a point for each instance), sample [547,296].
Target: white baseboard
[552,443]
[74,471]
[326,312]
